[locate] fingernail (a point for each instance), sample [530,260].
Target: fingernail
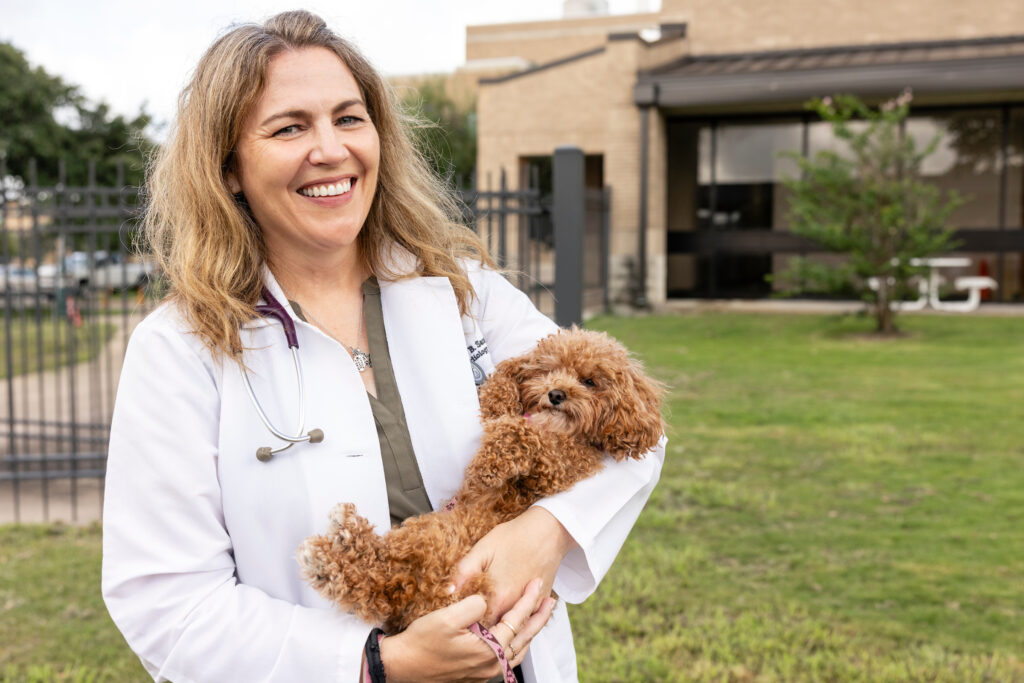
[451,588]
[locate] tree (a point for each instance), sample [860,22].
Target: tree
[447,130]
[33,106]
[870,204]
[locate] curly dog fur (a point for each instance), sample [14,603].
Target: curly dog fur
[549,418]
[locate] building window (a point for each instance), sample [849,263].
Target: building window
[725,180]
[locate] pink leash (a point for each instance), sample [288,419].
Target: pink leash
[499,651]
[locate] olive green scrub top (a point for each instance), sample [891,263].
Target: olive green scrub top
[406,495]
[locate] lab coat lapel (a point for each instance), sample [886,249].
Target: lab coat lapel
[346,467]
[434,378]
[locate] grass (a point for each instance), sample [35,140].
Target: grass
[47,345]
[53,624]
[833,507]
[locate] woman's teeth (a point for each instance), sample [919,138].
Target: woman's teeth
[327,190]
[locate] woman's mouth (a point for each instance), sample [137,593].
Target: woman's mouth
[327,190]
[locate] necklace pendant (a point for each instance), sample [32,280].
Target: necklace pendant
[361,359]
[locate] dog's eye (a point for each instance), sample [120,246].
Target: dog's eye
[589,382]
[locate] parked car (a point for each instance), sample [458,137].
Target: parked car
[18,290]
[107,271]
[17,278]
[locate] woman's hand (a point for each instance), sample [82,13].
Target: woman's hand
[439,647]
[527,547]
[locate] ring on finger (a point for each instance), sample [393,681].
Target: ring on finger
[510,627]
[512,649]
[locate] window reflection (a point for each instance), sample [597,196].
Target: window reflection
[739,168]
[966,159]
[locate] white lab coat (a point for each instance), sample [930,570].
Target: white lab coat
[199,537]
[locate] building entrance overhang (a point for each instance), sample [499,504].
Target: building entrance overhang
[937,68]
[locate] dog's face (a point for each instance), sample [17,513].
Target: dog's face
[585,382]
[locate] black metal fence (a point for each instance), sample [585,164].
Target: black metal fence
[72,288]
[518,226]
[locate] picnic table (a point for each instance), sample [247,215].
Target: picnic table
[928,288]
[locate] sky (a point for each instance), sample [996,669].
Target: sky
[134,54]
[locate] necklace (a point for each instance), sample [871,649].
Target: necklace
[359,357]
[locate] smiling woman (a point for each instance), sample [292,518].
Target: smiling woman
[307,159]
[289,188]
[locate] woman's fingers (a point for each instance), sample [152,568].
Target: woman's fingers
[524,621]
[438,646]
[469,610]
[519,645]
[525,606]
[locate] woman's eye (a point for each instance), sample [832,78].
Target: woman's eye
[287,130]
[349,120]
[589,382]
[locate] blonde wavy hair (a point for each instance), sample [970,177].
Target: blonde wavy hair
[204,237]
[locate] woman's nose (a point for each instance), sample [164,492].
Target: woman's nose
[328,146]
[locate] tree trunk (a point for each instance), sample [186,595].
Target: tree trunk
[883,311]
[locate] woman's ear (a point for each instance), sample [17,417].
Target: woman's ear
[233,183]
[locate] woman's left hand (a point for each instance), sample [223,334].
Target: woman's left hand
[513,553]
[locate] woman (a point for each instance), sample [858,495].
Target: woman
[290,169]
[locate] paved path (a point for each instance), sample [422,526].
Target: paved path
[84,394]
[814,307]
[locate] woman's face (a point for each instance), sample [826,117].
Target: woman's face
[308,156]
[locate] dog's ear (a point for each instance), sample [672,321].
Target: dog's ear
[500,395]
[634,425]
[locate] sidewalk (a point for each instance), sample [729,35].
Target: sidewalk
[813,306]
[48,396]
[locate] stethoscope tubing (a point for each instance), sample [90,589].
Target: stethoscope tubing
[273,309]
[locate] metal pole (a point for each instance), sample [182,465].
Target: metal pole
[12,445]
[1004,160]
[569,214]
[606,246]
[640,300]
[713,201]
[502,221]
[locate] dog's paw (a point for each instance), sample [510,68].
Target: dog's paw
[339,521]
[491,477]
[310,559]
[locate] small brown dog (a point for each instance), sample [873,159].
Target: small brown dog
[549,418]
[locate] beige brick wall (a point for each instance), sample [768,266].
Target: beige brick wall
[589,102]
[720,26]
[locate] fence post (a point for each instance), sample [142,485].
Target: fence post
[569,214]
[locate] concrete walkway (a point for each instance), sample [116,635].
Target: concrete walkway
[813,306]
[82,394]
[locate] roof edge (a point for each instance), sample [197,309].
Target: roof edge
[544,67]
[835,49]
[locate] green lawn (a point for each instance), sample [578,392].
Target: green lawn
[833,508]
[49,343]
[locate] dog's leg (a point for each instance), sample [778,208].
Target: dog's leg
[499,395]
[506,453]
[348,565]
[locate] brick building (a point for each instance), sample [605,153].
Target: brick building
[683,112]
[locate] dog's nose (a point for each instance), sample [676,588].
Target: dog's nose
[556,396]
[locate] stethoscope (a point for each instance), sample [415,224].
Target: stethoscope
[272,309]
